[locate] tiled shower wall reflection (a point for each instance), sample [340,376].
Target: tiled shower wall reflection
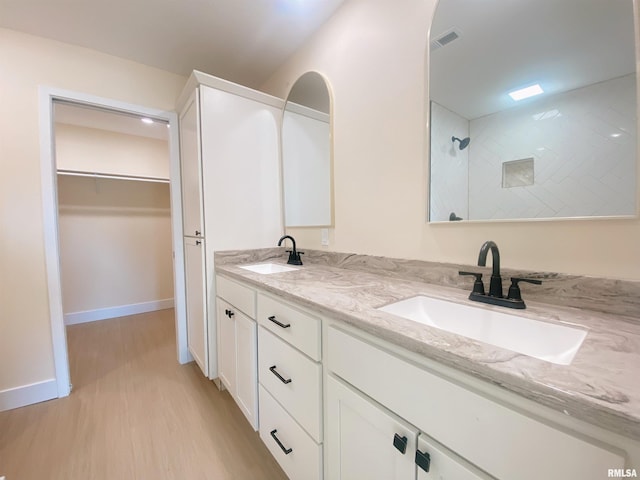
[449,165]
[583,143]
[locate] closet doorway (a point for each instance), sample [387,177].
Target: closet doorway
[113,172]
[114,213]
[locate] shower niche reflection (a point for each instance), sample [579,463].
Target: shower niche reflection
[566,153]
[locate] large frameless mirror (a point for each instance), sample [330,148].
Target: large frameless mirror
[306,154]
[533,107]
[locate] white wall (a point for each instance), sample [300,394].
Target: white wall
[115,235]
[26,62]
[373,54]
[449,169]
[583,143]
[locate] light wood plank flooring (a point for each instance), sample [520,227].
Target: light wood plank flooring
[134,414]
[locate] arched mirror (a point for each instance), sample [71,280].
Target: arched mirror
[533,107]
[306,154]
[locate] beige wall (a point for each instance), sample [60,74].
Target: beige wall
[115,242]
[94,150]
[115,235]
[373,53]
[26,354]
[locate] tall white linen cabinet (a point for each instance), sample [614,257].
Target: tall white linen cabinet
[230,179]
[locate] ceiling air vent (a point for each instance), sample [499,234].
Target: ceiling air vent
[444,39]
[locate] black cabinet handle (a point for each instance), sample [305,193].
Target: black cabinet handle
[286,451]
[400,443]
[423,460]
[229,313]
[198,242]
[197,233]
[272,318]
[282,379]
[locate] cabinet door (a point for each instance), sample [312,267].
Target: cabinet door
[195,285]
[241,170]
[190,169]
[436,463]
[227,345]
[364,440]
[246,368]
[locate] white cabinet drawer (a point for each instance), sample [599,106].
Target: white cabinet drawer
[298,455]
[294,326]
[497,439]
[293,379]
[241,297]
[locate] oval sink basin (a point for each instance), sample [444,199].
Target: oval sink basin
[546,341]
[268,268]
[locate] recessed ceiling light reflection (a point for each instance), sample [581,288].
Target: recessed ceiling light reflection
[527,92]
[148,121]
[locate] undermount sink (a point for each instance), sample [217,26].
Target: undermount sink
[267,268]
[546,341]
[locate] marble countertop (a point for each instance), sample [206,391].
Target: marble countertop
[601,386]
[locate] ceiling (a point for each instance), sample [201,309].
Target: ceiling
[243,41]
[509,44]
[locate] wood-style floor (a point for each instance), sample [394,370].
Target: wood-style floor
[134,414]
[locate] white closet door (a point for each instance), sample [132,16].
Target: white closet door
[240,164]
[190,169]
[196,308]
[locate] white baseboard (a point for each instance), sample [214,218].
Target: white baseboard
[28,394]
[119,311]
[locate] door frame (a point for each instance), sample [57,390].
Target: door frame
[47,95]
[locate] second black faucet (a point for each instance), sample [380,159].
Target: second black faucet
[495,296]
[294,255]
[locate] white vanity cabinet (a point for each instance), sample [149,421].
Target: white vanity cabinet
[192,226]
[476,435]
[290,373]
[365,440]
[230,180]
[238,345]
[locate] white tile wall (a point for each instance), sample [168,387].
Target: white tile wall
[449,172]
[584,147]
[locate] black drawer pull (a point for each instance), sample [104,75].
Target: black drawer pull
[229,313]
[272,318]
[286,451]
[282,379]
[400,443]
[423,460]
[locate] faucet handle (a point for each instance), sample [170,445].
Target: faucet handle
[478,286]
[514,289]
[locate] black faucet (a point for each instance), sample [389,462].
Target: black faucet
[495,287]
[294,255]
[495,296]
